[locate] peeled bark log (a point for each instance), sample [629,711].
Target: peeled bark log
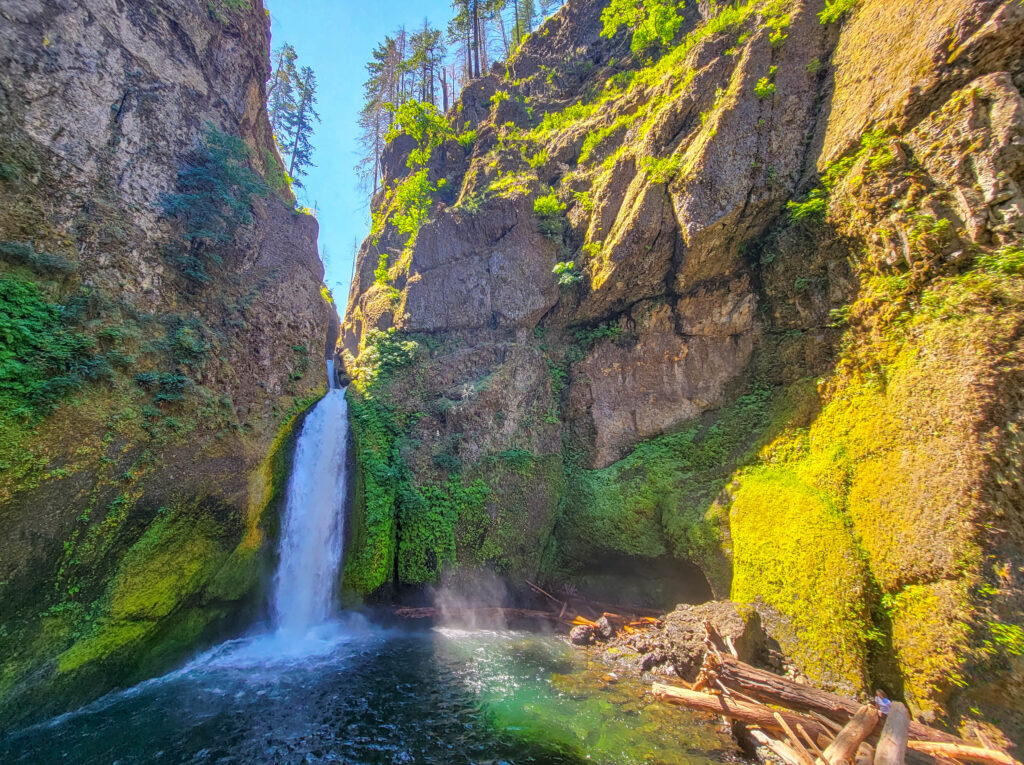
[844,747]
[754,714]
[785,753]
[811,742]
[773,689]
[865,754]
[892,745]
[798,747]
[962,752]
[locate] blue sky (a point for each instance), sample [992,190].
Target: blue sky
[335,37]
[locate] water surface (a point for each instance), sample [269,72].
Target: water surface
[354,694]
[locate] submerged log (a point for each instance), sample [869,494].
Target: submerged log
[892,745]
[962,752]
[844,747]
[753,714]
[774,689]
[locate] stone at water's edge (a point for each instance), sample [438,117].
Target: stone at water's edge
[136,518]
[677,645]
[682,636]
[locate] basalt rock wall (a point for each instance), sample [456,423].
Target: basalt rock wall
[151,369]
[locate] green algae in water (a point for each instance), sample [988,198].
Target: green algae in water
[366,695]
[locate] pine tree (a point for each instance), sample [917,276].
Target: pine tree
[427,56]
[527,14]
[281,90]
[299,127]
[384,86]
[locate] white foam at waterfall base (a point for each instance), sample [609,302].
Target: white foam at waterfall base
[312,534]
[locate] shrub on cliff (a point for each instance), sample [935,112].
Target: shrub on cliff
[550,214]
[42,355]
[653,22]
[423,122]
[215,196]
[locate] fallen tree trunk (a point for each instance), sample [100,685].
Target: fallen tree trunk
[892,744]
[506,613]
[844,747]
[753,714]
[774,689]
[962,752]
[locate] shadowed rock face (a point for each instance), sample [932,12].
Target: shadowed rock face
[135,514]
[771,237]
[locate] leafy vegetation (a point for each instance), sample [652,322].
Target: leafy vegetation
[25,254]
[653,22]
[663,169]
[43,356]
[835,10]
[811,210]
[567,273]
[425,124]
[550,214]
[765,87]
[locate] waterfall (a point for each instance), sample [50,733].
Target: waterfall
[311,540]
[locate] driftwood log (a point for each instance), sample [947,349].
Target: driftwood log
[843,748]
[962,752]
[752,714]
[892,744]
[774,689]
[499,613]
[784,752]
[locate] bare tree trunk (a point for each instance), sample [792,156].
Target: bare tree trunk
[484,63]
[475,21]
[960,752]
[504,34]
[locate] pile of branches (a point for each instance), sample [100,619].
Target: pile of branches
[806,726]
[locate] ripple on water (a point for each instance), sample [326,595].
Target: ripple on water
[352,693]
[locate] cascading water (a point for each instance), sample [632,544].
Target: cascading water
[311,540]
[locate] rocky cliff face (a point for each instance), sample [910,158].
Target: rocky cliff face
[158,344]
[748,310]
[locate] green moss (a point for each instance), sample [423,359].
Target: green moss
[931,636]
[867,514]
[793,551]
[428,519]
[110,640]
[381,474]
[661,499]
[168,564]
